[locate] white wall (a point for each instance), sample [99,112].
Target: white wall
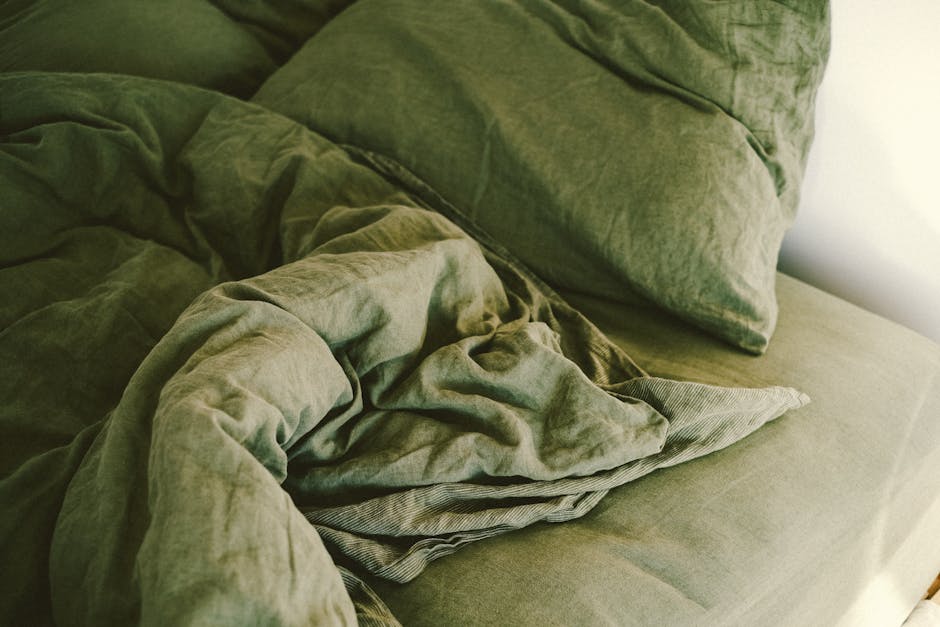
[868,228]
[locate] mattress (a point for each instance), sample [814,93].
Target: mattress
[827,516]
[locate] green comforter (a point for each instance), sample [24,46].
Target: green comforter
[240,364]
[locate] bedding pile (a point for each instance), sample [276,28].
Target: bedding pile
[243,364]
[222,321]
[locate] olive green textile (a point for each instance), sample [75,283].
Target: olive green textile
[631,150]
[827,516]
[231,354]
[228,45]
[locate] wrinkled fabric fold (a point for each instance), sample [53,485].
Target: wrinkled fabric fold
[250,357]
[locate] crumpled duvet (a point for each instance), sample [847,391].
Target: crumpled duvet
[240,364]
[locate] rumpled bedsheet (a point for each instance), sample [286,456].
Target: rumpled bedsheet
[240,364]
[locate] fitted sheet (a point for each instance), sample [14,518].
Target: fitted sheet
[826,516]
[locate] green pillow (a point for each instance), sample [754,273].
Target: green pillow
[624,149]
[282,26]
[227,45]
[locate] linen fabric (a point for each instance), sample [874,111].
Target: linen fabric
[226,46]
[826,516]
[623,149]
[226,328]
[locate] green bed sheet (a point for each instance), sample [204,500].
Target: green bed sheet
[250,375]
[827,517]
[242,367]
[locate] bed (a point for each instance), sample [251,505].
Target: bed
[399,312]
